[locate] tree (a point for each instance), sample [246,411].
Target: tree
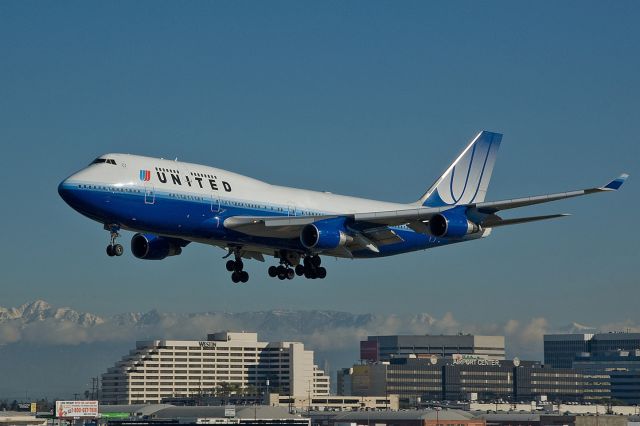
[224,390]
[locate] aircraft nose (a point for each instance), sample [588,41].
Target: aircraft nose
[64,191]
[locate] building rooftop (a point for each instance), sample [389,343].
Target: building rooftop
[134,409]
[242,412]
[168,411]
[444,415]
[516,417]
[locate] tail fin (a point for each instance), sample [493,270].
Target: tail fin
[467,178]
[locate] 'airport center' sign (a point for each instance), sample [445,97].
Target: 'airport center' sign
[464,359]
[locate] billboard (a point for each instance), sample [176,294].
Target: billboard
[76,409]
[24,406]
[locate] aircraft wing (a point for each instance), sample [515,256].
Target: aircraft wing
[371,229]
[415,217]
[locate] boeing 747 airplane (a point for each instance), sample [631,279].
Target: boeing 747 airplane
[170,204]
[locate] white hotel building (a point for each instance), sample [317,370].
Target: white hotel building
[173,368]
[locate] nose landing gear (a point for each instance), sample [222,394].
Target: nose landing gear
[114,249]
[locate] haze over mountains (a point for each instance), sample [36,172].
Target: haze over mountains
[54,351]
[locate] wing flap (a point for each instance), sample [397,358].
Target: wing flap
[494,221]
[382,235]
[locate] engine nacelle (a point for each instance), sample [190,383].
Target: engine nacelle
[153,247]
[324,234]
[452,224]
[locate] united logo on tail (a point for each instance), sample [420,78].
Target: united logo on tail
[467,179]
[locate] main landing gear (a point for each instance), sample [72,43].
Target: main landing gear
[236,269]
[282,272]
[310,268]
[114,249]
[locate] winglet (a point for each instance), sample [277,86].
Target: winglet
[615,184]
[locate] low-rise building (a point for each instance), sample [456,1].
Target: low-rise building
[171,415]
[444,417]
[335,403]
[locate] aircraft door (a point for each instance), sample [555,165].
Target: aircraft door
[215,203]
[149,194]
[292,211]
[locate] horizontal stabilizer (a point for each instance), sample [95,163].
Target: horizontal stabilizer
[495,220]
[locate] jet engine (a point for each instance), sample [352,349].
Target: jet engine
[153,247]
[452,224]
[325,234]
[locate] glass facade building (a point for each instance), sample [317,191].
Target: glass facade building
[618,370]
[561,349]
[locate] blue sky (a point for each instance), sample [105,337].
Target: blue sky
[364,98]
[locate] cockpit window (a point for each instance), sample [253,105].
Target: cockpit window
[104,160]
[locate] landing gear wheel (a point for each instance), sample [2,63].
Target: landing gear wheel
[299,270]
[238,265]
[231,265]
[118,250]
[290,274]
[244,276]
[235,277]
[282,276]
[113,249]
[273,271]
[316,261]
[322,272]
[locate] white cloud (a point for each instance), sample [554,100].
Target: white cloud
[319,330]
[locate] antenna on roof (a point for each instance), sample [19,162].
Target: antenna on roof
[176,159]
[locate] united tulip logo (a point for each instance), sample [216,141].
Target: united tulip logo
[145,175]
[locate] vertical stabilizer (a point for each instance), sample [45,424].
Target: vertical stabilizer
[467,178]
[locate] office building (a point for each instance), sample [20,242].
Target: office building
[556,384]
[461,378]
[617,372]
[224,363]
[383,348]
[561,349]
